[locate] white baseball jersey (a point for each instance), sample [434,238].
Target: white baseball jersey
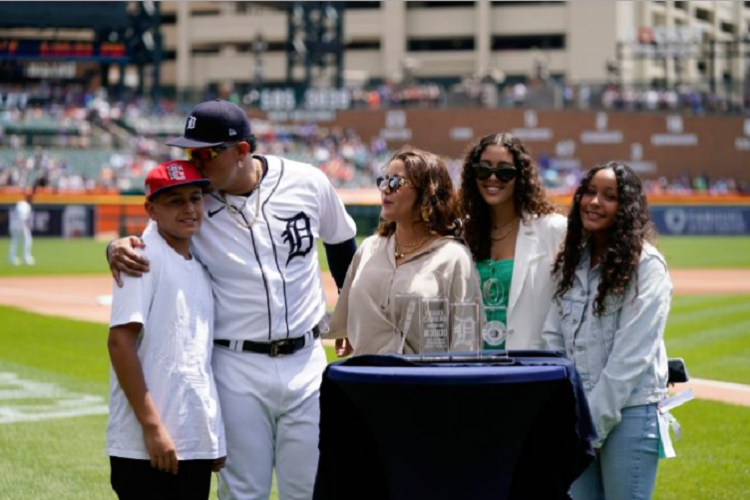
[20,216]
[266,279]
[174,304]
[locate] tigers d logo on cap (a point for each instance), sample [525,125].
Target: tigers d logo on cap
[213,123]
[172,174]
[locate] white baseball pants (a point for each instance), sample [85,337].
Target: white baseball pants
[15,238]
[271,415]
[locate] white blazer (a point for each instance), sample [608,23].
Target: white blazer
[532,286]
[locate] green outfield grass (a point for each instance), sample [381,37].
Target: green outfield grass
[56,256]
[712,460]
[60,459]
[712,333]
[64,459]
[86,256]
[684,252]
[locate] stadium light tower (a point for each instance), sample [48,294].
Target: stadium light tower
[145,45]
[316,42]
[259,46]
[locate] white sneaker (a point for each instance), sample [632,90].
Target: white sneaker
[14,261]
[30,261]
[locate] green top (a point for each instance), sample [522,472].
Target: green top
[495,277]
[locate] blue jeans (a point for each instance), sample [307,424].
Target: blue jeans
[625,468]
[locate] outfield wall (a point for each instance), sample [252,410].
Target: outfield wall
[106,216]
[653,144]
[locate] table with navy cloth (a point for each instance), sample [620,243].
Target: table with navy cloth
[405,428]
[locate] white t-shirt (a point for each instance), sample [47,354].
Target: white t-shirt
[266,279]
[174,304]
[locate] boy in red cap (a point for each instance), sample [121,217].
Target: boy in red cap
[165,433]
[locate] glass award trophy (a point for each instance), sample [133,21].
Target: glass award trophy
[434,337]
[494,330]
[406,317]
[464,332]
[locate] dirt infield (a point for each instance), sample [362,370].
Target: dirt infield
[722,392]
[78,297]
[711,281]
[88,298]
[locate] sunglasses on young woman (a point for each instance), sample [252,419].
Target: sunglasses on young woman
[504,173]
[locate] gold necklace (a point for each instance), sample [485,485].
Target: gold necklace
[402,251]
[495,226]
[501,238]
[237,212]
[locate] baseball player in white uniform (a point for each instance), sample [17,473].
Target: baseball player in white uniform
[20,227]
[258,241]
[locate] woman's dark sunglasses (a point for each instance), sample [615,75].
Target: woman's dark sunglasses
[503,174]
[207,154]
[392,184]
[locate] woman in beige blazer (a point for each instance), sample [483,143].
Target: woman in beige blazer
[514,233]
[414,251]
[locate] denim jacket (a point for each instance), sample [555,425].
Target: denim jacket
[619,355]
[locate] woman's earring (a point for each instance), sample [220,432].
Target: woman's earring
[425,215]
[240,164]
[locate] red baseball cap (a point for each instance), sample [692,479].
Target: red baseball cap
[172,174]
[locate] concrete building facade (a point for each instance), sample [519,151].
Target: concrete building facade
[211,43]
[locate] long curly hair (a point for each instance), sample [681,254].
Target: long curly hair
[632,227]
[436,198]
[529,197]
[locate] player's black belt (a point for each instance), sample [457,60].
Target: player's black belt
[282,347]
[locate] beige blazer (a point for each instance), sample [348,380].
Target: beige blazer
[364,311]
[532,286]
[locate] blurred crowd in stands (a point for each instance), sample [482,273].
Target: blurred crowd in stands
[83,142]
[97,144]
[476,92]
[682,98]
[427,95]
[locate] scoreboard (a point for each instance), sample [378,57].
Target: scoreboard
[74,50]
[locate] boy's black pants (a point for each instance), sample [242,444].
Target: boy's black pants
[137,480]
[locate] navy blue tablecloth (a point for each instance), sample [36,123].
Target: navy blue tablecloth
[397,428]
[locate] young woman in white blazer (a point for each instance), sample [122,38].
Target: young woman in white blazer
[514,234]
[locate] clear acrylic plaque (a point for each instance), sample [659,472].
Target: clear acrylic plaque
[494,331]
[407,320]
[465,327]
[434,337]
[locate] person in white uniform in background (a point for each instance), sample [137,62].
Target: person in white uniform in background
[259,243]
[20,227]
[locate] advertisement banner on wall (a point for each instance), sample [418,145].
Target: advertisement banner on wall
[701,220]
[75,222]
[69,221]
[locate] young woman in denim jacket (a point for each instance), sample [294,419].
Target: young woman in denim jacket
[610,310]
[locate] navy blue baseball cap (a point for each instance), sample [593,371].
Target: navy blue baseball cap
[213,123]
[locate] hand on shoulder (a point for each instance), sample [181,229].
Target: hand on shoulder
[123,257]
